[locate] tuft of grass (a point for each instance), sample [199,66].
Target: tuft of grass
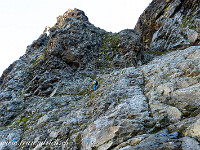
[111,41]
[78,141]
[39,59]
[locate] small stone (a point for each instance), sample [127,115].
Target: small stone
[192,35]
[53,134]
[45,118]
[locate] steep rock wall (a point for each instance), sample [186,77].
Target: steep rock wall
[168,25]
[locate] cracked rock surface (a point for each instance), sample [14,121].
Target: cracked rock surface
[47,99]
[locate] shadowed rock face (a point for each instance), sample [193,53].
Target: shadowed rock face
[169,25]
[47,99]
[6,72]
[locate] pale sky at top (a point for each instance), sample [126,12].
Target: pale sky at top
[23,21]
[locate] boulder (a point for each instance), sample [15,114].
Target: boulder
[189,143]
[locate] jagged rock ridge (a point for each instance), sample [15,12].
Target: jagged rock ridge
[47,100]
[76,46]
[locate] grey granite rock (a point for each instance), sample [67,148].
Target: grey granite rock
[48,101]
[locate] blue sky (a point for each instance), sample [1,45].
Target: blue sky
[22,21]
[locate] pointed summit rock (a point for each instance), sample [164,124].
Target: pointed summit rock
[70,14]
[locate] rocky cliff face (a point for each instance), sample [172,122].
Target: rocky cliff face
[168,25]
[47,100]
